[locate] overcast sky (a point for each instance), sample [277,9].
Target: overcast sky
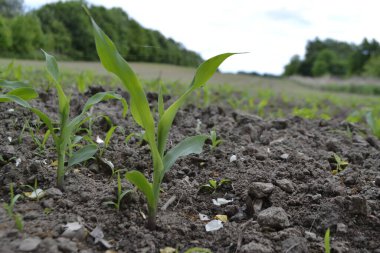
[271,30]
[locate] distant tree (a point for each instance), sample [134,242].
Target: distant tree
[328,62]
[64,29]
[292,68]
[11,8]
[27,35]
[5,36]
[362,55]
[372,67]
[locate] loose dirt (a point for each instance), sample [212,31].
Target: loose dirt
[283,195]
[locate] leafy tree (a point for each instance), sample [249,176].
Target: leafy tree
[11,8]
[27,36]
[64,28]
[5,35]
[362,55]
[372,67]
[292,68]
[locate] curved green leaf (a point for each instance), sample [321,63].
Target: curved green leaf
[82,154]
[16,99]
[207,69]
[25,93]
[202,75]
[47,122]
[52,66]
[190,145]
[140,181]
[13,84]
[114,62]
[64,104]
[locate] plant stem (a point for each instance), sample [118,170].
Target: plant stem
[151,224]
[61,170]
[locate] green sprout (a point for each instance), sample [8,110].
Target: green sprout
[120,193]
[157,134]
[214,140]
[9,208]
[327,241]
[63,136]
[340,164]
[214,185]
[374,123]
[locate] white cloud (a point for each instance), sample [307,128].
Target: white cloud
[272,31]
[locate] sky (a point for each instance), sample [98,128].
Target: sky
[271,31]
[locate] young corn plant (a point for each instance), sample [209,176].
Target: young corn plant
[9,208]
[214,140]
[155,135]
[340,164]
[120,193]
[214,185]
[64,135]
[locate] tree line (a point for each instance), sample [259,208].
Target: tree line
[64,29]
[336,58]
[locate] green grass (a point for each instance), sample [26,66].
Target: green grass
[259,95]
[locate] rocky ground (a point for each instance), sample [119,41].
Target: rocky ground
[283,193]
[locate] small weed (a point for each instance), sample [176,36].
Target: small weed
[10,209]
[214,185]
[214,140]
[340,164]
[120,193]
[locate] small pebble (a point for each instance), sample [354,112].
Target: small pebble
[29,244]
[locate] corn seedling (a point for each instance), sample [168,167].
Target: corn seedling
[9,208]
[120,193]
[340,164]
[107,140]
[374,123]
[214,185]
[327,241]
[34,132]
[214,140]
[141,113]
[35,193]
[63,137]
[83,80]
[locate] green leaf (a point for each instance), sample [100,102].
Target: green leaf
[16,99]
[161,108]
[198,250]
[327,241]
[13,84]
[52,66]
[202,75]
[82,154]
[25,93]
[47,122]
[140,181]
[64,105]
[114,62]
[212,183]
[190,145]
[122,195]
[109,135]
[207,69]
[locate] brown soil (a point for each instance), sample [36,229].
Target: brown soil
[283,190]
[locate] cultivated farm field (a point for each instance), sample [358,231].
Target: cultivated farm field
[250,164]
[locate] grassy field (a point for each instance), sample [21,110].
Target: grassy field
[171,73]
[273,97]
